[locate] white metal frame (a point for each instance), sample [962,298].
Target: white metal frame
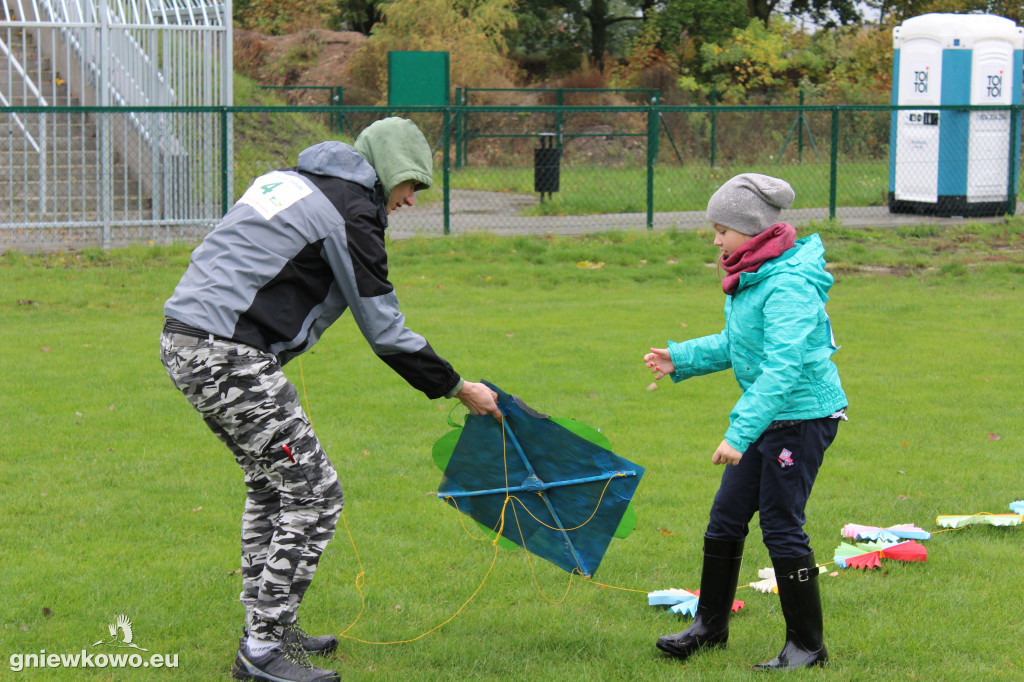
[114,53]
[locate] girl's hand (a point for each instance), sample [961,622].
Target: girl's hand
[726,454]
[660,362]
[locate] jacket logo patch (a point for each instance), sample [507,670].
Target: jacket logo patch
[785,458]
[272,193]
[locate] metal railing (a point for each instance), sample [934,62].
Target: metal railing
[69,164]
[633,167]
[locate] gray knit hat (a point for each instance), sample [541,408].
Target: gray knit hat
[750,203]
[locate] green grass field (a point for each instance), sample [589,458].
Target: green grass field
[117,500]
[590,189]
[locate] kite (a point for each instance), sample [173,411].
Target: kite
[869,554]
[905,531]
[681,601]
[983,519]
[550,485]
[1017,507]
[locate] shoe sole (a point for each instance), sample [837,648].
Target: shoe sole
[681,654]
[240,672]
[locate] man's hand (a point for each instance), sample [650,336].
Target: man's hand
[479,399]
[726,454]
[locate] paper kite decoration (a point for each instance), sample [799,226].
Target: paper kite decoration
[869,554]
[681,601]
[548,484]
[1017,507]
[767,584]
[983,519]
[905,531]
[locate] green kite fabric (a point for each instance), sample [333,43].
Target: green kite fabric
[550,485]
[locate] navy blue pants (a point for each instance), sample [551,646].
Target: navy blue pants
[774,477]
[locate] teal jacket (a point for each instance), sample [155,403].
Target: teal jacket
[778,341]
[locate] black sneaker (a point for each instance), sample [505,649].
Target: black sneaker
[317,645]
[286,663]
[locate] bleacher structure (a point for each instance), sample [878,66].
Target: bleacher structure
[109,131]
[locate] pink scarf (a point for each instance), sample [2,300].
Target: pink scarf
[771,243]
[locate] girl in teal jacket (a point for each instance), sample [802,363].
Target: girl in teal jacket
[778,341]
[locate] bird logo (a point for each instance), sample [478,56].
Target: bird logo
[120,634]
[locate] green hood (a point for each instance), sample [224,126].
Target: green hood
[398,151]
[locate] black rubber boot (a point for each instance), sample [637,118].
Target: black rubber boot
[710,627]
[801,607]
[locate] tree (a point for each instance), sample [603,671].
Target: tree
[275,17]
[682,26]
[896,11]
[471,31]
[590,27]
[828,13]
[601,19]
[358,15]
[825,12]
[851,65]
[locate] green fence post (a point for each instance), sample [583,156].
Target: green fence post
[458,128]
[337,99]
[833,164]
[800,131]
[465,132]
[225,197]
[559,102]
[714,96]
[446,166]
[1011,185]
[653,116]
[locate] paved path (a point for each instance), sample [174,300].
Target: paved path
[499,213]
[477,211]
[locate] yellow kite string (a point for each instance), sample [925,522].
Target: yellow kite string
[361,576]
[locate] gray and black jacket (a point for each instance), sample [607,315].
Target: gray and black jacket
[300,247]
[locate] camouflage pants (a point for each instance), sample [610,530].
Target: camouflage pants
[293,497]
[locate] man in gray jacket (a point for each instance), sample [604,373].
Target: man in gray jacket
[301,246]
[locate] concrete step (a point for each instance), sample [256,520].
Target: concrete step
[26,211]
[38,73]
[7,217]
[23,154]
[59,166]
[29,194]
[68,133]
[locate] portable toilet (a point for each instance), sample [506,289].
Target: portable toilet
[948,162]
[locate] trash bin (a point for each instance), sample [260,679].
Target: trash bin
[546,161]
[948,162]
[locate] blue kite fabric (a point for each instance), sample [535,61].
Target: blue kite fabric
[567,495]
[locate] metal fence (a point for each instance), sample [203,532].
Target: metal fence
[95,147]
[617,168]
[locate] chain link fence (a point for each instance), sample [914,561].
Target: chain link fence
[74,177]
[93,183]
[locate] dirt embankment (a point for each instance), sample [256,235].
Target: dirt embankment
[314,58]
